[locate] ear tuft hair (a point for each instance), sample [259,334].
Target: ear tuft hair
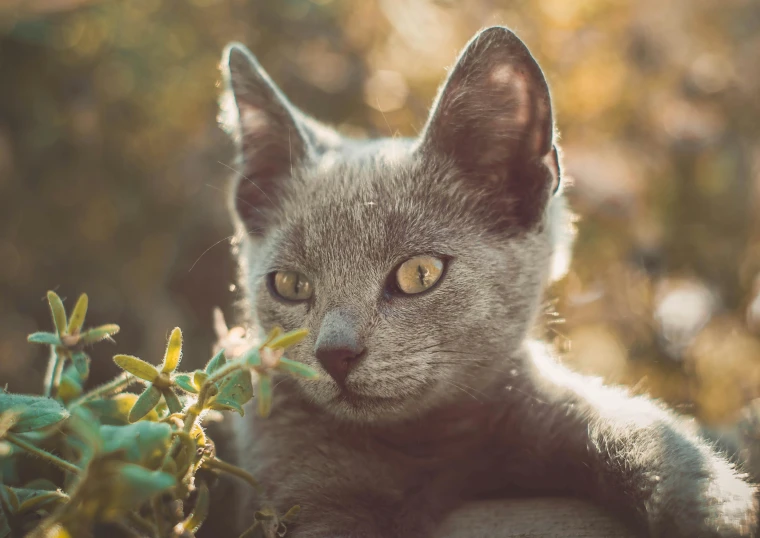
[273,137]
[493,117]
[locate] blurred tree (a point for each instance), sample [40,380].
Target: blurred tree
[110,157]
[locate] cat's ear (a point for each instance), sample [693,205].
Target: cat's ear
[493,118]
[273,136]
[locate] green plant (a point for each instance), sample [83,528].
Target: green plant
[142,463]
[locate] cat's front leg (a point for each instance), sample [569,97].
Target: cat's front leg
[633,456]
[366,514]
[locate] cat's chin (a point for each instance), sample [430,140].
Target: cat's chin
[354,406]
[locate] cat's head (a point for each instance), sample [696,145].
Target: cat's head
[417,265]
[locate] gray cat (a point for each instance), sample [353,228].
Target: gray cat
[418,266]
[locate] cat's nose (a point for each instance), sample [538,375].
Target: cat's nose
[339,347]
[338,361]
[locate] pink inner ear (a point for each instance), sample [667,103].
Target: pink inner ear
[252,119]
[551,163]
[513,85]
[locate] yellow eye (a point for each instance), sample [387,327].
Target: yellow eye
[292,285]
[419,274]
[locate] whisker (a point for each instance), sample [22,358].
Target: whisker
[471,395]
[474,365]
[209,248]
[431,346]
[237,197]
[388,125]
[252,182]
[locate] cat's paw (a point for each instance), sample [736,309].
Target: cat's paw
[691,505]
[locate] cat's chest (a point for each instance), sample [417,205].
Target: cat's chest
[297,450]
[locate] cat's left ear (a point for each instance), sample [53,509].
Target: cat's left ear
[274,138]
[493,118]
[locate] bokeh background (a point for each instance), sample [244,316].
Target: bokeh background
[113,170]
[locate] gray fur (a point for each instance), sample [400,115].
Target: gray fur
[452,400]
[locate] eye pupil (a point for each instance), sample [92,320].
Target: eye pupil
[423,274]
[291,285]
[418,274]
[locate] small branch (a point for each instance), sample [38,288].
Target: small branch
[133,532]
[223,466]
[54,365]
[158,516]
[45,455]
[120,382]
[142,525]
[59,371]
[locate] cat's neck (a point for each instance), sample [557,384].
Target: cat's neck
[446,432]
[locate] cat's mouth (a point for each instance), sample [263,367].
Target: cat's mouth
[352,398]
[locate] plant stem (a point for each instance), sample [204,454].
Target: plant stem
[45,455]
[58,371]
[134,533]
[222,372]
[120,382]
[223,466]
[158,516]
[50,374]
[142,524]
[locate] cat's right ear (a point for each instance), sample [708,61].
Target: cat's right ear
[273,137]
[493,118]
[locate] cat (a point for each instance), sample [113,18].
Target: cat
[418,266]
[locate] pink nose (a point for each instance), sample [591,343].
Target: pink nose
[339,347]
[339,361]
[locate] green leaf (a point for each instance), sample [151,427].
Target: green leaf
[86,430]
[297,369]
[41,483]
[216,362]
[58,312]
[71,384]
[44,338]
[145,403]
[200,511]
[173,351]
[81,363]
[199,378]
[264,395]
[114,411]
[274,333]
[32,412]
[185,382]
[172,401]
[264,515]
[97,334]
[7,419]
[291,515]
[288,339]
[138,485]
[78,314]
[5,530]
[6,511]
[235,391]
[143,442]
[136,367]
[229,405]
[32,500]
[9,498]
[255,531]
[251,358]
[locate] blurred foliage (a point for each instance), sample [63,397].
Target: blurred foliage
[108,138]
[143,464]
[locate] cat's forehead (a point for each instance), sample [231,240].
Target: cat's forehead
[376,204]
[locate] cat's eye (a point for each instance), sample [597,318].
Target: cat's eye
[291,285]
[418,274]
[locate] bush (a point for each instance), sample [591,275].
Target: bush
[140,462]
